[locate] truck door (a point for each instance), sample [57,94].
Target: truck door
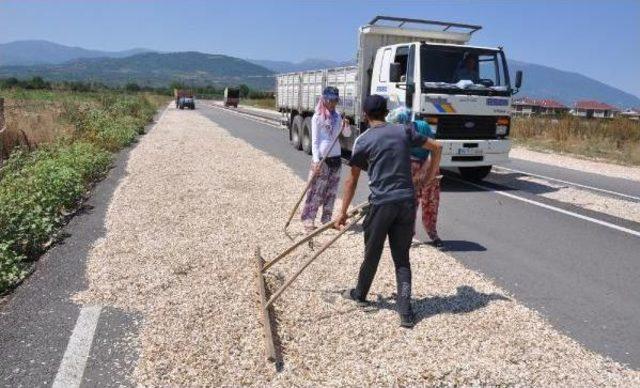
[395,92]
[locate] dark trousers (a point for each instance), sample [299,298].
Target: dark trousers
[397,221]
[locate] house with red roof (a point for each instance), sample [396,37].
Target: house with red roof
[591,108]
[545,106]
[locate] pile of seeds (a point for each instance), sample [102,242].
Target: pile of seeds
[181,232]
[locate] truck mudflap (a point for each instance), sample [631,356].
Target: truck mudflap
[474,153]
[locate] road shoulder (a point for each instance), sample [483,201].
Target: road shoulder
[574,163]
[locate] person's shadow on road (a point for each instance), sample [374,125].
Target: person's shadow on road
[466,300]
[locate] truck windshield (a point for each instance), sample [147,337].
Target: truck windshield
[447,69]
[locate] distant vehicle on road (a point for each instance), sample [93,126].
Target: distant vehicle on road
[463,92]
[184,99]
[186,102]
[231,97]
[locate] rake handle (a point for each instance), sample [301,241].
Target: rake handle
[311,259]
[311,235]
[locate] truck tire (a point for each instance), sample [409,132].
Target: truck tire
[474,174]
[306,135]
[296,129]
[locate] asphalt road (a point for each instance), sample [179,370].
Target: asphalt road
[622,186]
[582,276]
[37,319]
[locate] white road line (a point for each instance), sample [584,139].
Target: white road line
[75,357]
[553,208]
[632,197]
[249,116]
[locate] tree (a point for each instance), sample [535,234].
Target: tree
[38,83]
[132,87]
[8,83]
[244,91]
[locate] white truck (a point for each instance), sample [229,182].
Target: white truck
[462,91]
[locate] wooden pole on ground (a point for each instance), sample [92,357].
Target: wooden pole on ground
[270,348]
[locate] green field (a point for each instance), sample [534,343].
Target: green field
[58,144]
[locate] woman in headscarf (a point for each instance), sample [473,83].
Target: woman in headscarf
[427,193]
[326,125]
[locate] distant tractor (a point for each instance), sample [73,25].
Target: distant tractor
[231,97]
[184,99]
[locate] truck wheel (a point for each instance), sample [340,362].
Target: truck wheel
[296,129]
[306,135]
[475,174]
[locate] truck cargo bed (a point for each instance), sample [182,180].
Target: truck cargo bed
[300,91]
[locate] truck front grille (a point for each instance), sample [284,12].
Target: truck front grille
[466,127]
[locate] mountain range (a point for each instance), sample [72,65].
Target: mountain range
[35,52]
[151,69]
[25,59]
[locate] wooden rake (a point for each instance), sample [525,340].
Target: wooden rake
[265,304]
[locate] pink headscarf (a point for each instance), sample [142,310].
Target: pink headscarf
[322,110]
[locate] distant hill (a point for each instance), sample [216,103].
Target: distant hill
[52,61]
[34,52]
[307,64]
[152,69]
[546,82]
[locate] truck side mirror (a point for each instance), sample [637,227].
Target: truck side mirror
[518,79]
[394,72]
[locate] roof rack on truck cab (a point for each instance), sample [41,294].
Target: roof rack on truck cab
[384,33]
[447,25]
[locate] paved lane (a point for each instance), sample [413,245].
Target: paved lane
[582,276]
[623,186]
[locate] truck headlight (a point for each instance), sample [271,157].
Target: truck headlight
[502,126]
[433,123]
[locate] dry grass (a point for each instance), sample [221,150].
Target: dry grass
[616,140]
[39,121]
[181,231]
[33,118]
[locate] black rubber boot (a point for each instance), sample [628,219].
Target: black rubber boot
[437,243]
[407,320]
[348,294]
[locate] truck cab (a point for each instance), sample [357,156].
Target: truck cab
[463,92]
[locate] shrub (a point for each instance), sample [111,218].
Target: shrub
[39,189]
[49,184]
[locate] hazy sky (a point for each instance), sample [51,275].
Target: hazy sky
[600,39]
